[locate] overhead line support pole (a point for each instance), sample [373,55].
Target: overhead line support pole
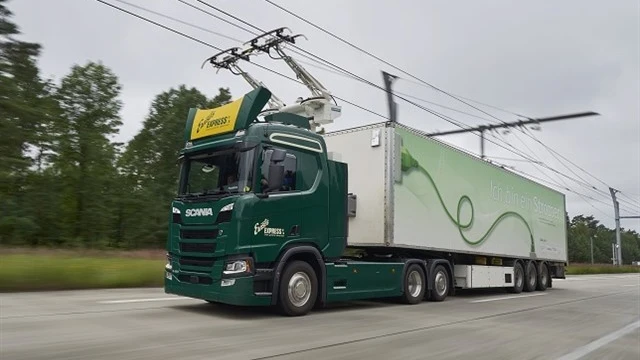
[616,209]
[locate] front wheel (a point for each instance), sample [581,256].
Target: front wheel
[298,289]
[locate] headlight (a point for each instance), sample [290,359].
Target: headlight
[168,266]
[237,267]
[227,207]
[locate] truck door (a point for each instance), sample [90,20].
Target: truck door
[294,213]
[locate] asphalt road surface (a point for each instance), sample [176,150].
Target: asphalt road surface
[582,317]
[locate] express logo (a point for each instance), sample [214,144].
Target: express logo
[209,121]
[199,212]
[260,226]
[263,227]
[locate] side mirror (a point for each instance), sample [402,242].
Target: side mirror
[276,172]
[278,155]
[276,176]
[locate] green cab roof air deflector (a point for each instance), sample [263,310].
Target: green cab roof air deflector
[289,119]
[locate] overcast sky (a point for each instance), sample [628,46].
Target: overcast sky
[537,58]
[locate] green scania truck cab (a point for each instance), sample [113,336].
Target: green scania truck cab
[261,213]
[265,215]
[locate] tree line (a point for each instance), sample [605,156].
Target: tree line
[64,182]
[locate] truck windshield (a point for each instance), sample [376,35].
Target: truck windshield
[218,173]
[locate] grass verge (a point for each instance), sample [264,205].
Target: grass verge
[55,269]
[587,269]
[42,271]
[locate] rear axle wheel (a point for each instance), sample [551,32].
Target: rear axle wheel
[518,278]
[531,277]
[414,285]
[440,284]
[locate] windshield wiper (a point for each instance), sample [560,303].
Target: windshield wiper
[226,191]
[205,193]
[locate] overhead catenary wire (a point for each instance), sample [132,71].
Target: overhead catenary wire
[424,83]
[334,65]
[555,155]
[538,161]
[219,49]
[178,20]
[506,111]
[160,25]
[217,17]
[448,119]
[321,66]
[374,56]
[258,65]
[280,74]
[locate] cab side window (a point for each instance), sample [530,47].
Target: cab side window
[290,167]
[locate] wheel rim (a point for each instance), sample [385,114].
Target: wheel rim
[299,289]
[414,283]
[441,283]
[543,276]
[532,277]
[519,277]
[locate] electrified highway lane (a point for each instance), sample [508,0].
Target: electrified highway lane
[582,317]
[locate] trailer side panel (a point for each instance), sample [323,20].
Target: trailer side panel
[365,150]
[447,199]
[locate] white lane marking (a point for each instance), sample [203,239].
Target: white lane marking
[631,285]
[589,278]
[139,300]
[507,298]
[596,344]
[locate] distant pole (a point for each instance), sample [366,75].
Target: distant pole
[613,253]
[616,208]
[592,250]
[393,107]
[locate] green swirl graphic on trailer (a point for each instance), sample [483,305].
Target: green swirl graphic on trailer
[409,163]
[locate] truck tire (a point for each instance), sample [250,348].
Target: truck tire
[440,284]
[298,289]
[543,277]
[531,277]
[414,285]
[518,278]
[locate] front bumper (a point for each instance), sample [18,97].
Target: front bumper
[237,291]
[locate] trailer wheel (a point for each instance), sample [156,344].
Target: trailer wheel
[543,277]
[440,284]
[414,285]
[518,278]
[298,289]
[531,278]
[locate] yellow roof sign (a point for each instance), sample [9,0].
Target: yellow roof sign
[220,120]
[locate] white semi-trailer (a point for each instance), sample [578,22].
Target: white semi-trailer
[418,194]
